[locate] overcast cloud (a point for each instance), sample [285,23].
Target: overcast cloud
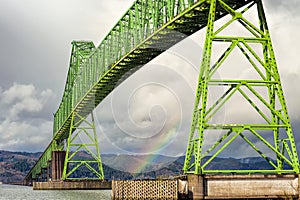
[153,109]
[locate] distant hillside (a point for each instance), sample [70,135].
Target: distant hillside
[137,163]
[15,165]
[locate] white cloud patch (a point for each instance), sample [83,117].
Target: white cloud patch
[17,132]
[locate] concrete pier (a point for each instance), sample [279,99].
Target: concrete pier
[195,186]
[72,185]
[211,187]
[251,186]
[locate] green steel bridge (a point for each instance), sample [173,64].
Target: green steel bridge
[146,30]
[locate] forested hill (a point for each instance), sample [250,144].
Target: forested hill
[15,165]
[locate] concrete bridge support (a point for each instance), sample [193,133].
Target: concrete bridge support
[243,186]
[196,186]
[58,160]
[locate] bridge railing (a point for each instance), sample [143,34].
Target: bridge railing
[142,19]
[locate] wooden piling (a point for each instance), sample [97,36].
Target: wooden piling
[58,160]
[145,189]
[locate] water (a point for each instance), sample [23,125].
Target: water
[12,192]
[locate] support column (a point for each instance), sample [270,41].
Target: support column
[58,159]
[196,187]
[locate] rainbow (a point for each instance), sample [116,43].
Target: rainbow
[155,149]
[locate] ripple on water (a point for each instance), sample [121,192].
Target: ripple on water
[12,192]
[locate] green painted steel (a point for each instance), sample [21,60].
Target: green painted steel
[146,30]
[73,162]
[270,108]
[42,163]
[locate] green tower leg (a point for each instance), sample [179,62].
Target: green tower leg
[80,126]
[281,152]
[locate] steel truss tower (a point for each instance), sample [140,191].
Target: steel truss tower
[272,137]
[82,127]
[81,134]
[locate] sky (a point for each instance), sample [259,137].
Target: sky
[149,113]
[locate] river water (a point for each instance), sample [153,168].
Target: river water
[12,192]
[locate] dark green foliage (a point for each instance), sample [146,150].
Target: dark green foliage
[15,165]
[22,166]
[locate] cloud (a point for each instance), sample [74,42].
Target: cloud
[289,8]
[36,43]
[21,98]
[18,132]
